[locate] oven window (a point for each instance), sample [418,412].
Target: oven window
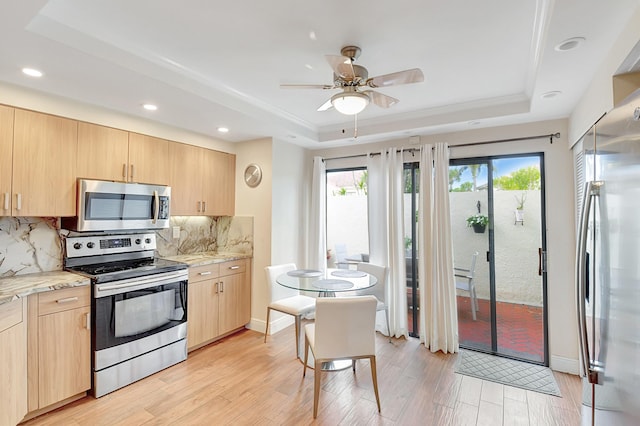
[135,316]
[100,206]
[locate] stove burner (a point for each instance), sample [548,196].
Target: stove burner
[113,271]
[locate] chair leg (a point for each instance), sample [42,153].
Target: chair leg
[297,336]
[316,387]
[473,304]
[306,356]
[353,365]
[386,312]
[266,329]
[374,377]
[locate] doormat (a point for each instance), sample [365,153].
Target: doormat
[508,372]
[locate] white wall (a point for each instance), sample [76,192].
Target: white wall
[257,202]
[563,345]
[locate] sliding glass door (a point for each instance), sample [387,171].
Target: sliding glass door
[500,274]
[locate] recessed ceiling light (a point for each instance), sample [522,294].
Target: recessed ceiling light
[569,44]
[223,129]
[308,66]
[312,35]
[150,107]
[31,72]
[552,94]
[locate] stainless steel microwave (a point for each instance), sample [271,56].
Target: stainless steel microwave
[110,206]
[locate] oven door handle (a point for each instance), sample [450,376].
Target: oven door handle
[139,282]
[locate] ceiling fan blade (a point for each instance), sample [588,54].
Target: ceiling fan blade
[325,106]
[341,65]
[413,75]
[307,86]
[381,100]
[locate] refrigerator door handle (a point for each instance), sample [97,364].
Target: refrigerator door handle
[592,190]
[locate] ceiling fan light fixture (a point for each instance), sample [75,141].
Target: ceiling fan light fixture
[350,103]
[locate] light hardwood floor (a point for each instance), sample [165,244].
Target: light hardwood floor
[243,381]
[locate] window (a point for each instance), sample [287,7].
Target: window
[347,217]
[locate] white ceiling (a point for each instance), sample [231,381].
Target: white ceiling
[212,63]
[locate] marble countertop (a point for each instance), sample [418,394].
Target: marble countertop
[206,258]
[17,286]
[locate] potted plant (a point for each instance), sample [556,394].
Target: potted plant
[478,222]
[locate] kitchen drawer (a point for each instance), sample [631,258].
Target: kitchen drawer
[62,300]
[204,272]
[10,314]
[233,267]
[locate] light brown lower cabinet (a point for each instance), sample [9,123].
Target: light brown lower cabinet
[219,301]
[58,348]
[13,362]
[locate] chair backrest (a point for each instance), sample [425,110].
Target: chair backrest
[345,327]
[276,290]
[341,252]
[380,272]
[472,268]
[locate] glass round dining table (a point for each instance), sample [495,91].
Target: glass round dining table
[328,282]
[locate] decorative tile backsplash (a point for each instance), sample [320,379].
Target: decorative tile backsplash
[31,244]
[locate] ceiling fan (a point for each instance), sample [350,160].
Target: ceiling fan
[351,78]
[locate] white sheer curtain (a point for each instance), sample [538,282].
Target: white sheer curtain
[317,258]
[438,313]
[386,224]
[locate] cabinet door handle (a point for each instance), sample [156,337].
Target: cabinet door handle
[6,200]
[87,319]
[217,288]
[205,273]
[131,175]
[204,206]
[18,201]
[221,286]
[234,267]
[124,171]
[67,300]
[199,206]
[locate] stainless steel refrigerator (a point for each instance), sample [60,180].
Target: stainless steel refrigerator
[608,268]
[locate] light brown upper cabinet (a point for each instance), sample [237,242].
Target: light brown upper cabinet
[103,152]
[6,158]
[111,154]
[44,165]
[148,159]
[220,174]
[202,181]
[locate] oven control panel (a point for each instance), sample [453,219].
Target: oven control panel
[109,244]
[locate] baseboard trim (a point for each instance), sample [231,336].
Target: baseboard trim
[565,365]
[277,324]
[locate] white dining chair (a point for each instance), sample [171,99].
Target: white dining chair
[286,300]
[344,329]
[465,282]
[379,290]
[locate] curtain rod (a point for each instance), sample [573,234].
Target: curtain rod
[412,150]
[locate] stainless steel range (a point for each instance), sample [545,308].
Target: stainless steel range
[139,307]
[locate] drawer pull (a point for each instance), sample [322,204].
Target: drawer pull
[205,273]
[67,300]
[234,267]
